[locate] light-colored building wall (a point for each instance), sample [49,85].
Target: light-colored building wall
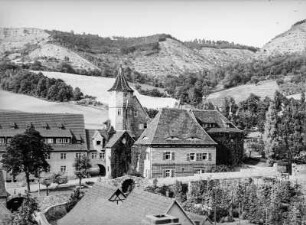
[181,162]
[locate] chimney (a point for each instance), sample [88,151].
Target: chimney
[164,219]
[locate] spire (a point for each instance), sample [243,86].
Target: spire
[120,83]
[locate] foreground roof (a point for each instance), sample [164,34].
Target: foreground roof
[174,126]
[4,213]
[121,83]
[48,124]
[95,208]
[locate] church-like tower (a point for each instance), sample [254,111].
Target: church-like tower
[121,103]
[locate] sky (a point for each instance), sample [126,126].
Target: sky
[249,22]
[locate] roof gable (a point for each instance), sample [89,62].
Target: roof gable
[117,137]
[174,126]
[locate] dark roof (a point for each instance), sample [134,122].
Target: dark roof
[174,126]
[121,83]
[116,137]
[214,116]
[48,124]
[95,208]
[3,192]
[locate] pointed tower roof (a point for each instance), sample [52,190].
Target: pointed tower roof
[120,83]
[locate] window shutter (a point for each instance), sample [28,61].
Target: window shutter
[164,173]
[173,155]
[172,173]
[164,155]
[188,157]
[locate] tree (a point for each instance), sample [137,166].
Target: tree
[24,216]
[77,94]
[46,181]
[26,153]
[81,165]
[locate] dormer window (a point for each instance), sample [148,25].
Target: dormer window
[13,125]
[172,138]
[193,139]
[98,142]
[45,126]
[60,126]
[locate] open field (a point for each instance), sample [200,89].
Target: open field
[240,93]
[98,86]
[18,102]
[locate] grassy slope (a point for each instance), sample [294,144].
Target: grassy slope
[242,92]
[18,102]
[98,86]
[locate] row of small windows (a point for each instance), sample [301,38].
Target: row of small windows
[119,112]
[14,125]
[47,140]
[94,155]
[190,156]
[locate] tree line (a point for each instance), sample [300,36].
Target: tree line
[22,81]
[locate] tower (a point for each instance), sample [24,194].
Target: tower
[120,103]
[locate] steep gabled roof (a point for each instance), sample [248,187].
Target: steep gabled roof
[95,208]
[48,124]
[116,137]
[90,134]
[214,116]
[4,214]
[121,83]
[174,126]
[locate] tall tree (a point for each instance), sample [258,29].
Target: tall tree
[26,153]
[81,165]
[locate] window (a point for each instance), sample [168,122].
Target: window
[145,125]
[63,169]
[78,155]
[63,155]
[168,156]
[209,157]
[119,112]
[49,140]
[8,140]
[102,155]
[201,156]
[135,113]
[62,140]
[98,142]
[2,141]
[168,173]
[48,156]
[140,126]
[94,155]
[192,156]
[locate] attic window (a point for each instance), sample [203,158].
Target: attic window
[145,138]
[193,139]
[172,138]
[60,126]
[13,125]
[45,125]
[117,196]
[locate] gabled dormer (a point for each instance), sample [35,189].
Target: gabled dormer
[98,141]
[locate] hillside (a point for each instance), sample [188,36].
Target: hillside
[242,92]
[98,86]
[291,41]
[94,118]
[156,55]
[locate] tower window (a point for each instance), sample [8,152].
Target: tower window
[135,113]
[119,112]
